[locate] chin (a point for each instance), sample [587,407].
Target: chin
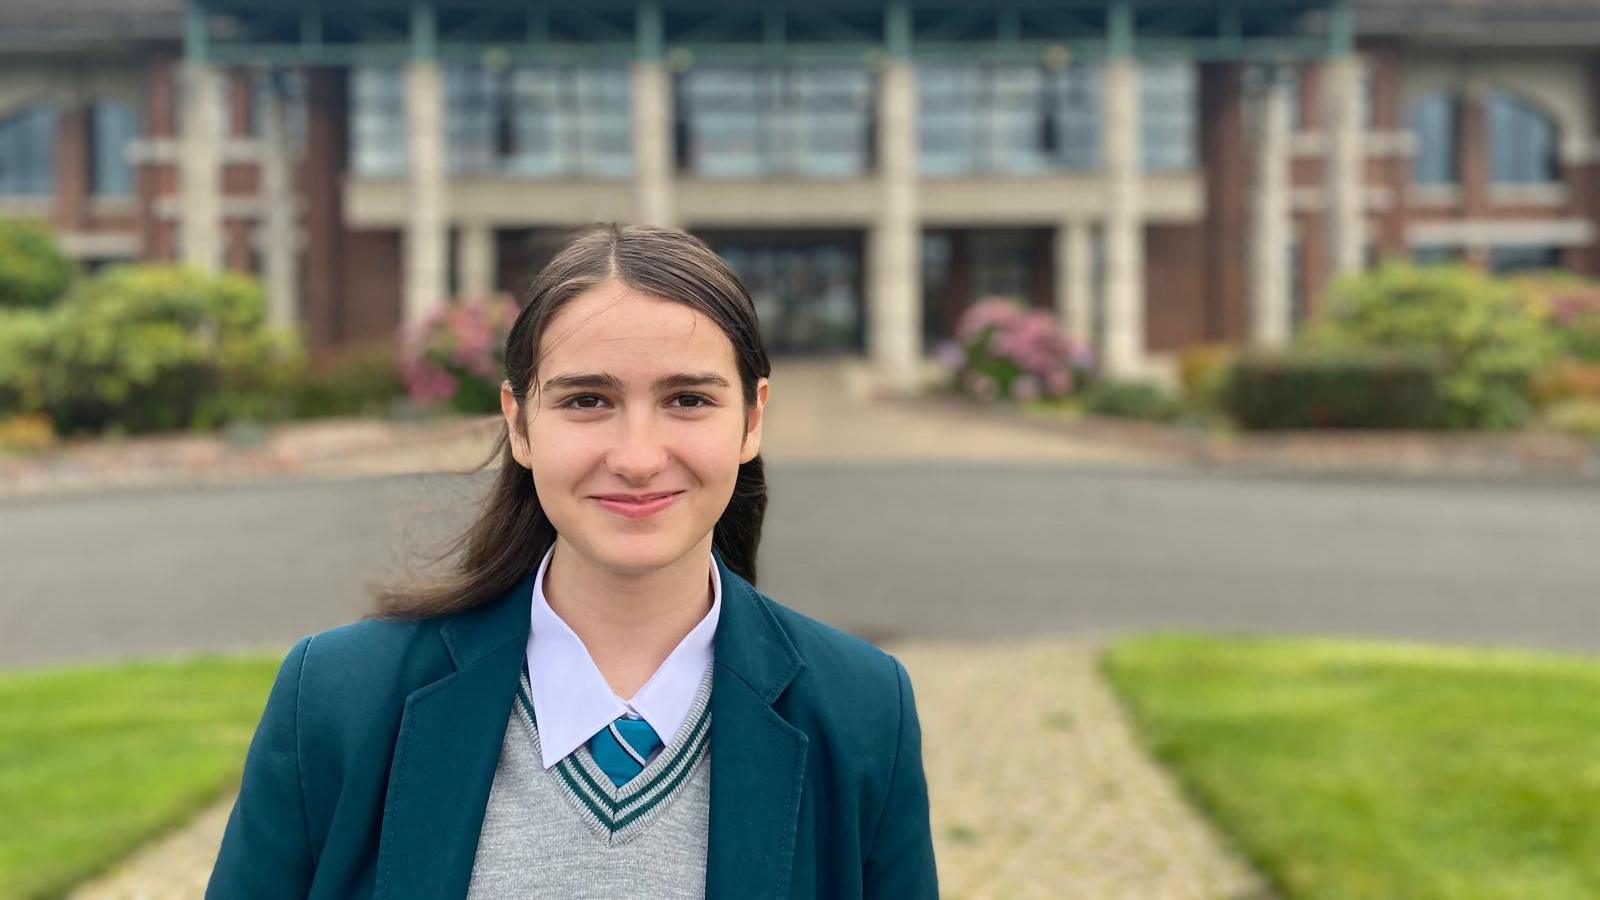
[638,554]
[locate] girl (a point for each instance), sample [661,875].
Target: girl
[599,702]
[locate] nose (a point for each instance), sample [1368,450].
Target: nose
[640,454]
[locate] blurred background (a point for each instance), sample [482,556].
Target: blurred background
[1218,381]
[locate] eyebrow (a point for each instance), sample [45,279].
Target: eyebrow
[607,381]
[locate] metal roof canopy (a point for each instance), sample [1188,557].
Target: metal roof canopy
[352,32]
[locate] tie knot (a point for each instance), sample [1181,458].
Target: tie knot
[622,749]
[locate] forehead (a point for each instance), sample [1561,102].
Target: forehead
[616,329]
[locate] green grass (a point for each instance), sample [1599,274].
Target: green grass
[96,760]
[1352,770]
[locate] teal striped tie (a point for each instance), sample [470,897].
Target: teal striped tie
[623,748]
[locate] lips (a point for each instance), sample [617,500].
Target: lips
[637,506]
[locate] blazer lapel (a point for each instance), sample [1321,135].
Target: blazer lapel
[757,759]
[445,755]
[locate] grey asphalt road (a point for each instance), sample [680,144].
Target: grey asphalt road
[882,550]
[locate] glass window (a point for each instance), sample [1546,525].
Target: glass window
[1524,258]
[1523,141]
[1290,77]
[1007,118]
[378,121]
[1436,255]
[1073,111]
[949,103]
[748,121]
[27,151]
[472,101]
[1169,131]
[112,127]
[291,85]
[1432,120]
[539,121]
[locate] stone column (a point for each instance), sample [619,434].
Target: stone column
[652,143]
[1124,223]
[475,259]
[1342,84]
[279,231]
[1270,315]
[1074,301]
[425,238]
[895,319]
[199,169]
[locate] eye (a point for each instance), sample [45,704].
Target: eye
[701,401]
[575,401]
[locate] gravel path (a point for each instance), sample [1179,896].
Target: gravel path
[1069,807]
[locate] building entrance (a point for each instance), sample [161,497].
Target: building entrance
[807,287]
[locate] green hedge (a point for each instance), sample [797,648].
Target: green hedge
[1488,337]
[34,273]
[1131,400]
[146,348]
[362,380]
[1336,389]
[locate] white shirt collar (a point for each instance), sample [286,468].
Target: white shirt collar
[571,699]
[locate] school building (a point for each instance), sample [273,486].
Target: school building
[1160,172]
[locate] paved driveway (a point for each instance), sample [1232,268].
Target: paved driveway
[889,550]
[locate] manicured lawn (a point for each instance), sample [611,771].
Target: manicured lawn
[1355,769]
[95,760]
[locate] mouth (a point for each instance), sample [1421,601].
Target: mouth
[637,506]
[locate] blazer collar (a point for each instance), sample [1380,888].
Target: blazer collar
[452,728]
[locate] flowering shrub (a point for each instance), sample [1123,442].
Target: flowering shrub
[455,355]
[1004,349]
[1490,338]
[1573,307]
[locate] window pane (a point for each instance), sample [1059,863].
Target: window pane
[1522,141]
[1524,258]
[947,117]
[1007,118]
[1076,108]
[751,121]
[378,121]
[113,126]
[27,151]
[1167,115]
[1432,121]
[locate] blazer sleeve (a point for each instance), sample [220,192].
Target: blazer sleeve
[900,861]
[266,851]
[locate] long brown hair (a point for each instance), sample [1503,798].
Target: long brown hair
[512,533]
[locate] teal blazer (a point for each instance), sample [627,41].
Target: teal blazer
[370,769]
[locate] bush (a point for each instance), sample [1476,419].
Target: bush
[1575,417]
[1336,389]
[28,433]
[1566,379]
[362,380]
[1572,306]
[24,339]
[144,348]
[34,273]
[1004,349]
[1131,400]
[455,355]
[1203,371]
[1490,340]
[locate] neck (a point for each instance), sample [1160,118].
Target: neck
[629,623]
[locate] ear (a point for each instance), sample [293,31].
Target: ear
[758,417]
[512,412]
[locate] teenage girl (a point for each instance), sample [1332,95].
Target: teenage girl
[598,702]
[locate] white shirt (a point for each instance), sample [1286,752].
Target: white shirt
[571,699]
